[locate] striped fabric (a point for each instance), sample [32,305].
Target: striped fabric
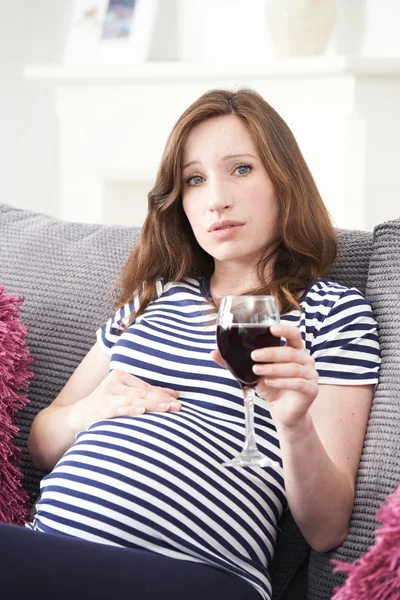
[156,481]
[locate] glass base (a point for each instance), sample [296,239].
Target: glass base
[251,459]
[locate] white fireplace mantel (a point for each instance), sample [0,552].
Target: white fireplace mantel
[114,121]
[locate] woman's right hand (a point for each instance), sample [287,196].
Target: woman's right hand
[92,393]
[121,394]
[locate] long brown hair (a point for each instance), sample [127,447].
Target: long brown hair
[167,248]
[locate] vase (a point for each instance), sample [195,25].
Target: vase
[300,27]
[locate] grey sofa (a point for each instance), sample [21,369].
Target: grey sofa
[65,273]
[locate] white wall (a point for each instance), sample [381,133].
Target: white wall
[13,108]
[217,30]
[223,29]
[49,19]
[382,28]
[30,32]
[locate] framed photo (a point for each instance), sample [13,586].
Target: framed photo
[110,31]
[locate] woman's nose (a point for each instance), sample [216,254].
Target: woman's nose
[218,198]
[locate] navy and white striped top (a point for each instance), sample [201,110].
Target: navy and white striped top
[155,481]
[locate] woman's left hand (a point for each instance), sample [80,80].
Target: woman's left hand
[288,377]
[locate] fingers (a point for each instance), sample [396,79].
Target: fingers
[148,392]
[308,387]
[284,370]
[168,391]
[288,367]
[289,376]
[126,379]
[286,374]
[131,408]
[120,410]
[216,356]
[290,333]
[127,395]
[292,352]
[123,383]
[152,399]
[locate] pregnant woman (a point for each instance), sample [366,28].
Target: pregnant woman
[135,442]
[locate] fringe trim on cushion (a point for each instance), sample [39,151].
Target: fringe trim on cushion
[15,375]
[377,573]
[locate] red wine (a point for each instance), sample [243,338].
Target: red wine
[237,342]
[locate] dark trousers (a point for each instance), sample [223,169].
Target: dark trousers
[58,567]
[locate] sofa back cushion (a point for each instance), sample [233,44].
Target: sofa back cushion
[379,471]
[352,262]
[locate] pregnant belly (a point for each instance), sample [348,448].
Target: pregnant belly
[147,482]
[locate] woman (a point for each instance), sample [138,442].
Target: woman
[154,413]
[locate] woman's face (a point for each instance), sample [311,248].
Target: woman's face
[228,196]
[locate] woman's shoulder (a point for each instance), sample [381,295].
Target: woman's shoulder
[330,301]
[328,290]
[174,292]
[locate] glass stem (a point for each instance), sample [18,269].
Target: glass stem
[250,446]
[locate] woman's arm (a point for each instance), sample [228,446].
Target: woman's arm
[91,393]
[52,432]
[321,431]
[321,454]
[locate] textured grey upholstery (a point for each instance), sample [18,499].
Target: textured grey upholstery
[354,251]
[65,272]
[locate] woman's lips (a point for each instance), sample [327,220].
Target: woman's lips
[225,232]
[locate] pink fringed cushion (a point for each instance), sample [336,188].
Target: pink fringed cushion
[377,573]
[15,374]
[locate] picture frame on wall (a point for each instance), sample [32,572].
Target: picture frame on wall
[110,31]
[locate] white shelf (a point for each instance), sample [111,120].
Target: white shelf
[342,110]
[315,66]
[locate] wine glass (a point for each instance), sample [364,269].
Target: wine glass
[243,324]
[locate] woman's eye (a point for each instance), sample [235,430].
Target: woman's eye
[243,169]
[194,180]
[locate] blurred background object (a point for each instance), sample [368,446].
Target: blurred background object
[83,141]
[300,27]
